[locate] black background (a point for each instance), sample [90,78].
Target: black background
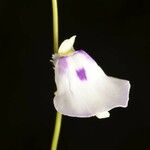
[116,33]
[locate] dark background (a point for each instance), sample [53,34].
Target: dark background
[116,33]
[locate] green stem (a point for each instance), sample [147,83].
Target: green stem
[55,40]
[55,25]
[56,131]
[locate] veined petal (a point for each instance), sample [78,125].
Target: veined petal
[83,89]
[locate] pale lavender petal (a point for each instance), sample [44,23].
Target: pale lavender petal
[84,54]
[62,64]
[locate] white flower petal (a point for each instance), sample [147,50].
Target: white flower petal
[84,90]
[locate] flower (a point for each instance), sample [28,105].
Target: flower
[83,89]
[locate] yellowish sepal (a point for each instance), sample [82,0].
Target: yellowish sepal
[66,48]
[68,53]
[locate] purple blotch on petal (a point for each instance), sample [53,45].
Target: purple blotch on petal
[62,63]
[81,74]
